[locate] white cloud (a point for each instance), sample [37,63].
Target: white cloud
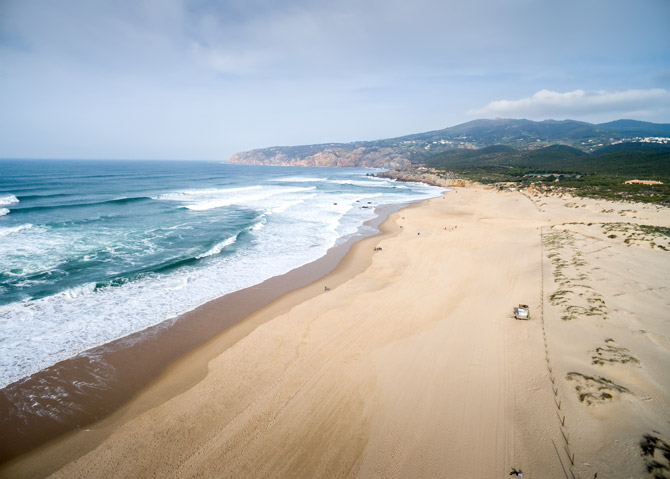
[648,103]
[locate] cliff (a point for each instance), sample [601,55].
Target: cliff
[319,155]
[428,176]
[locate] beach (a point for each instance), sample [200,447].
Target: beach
[406,361]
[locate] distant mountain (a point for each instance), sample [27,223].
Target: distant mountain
[509,131]
[634,128]
[521,135]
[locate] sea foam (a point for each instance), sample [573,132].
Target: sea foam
[217,248]
[15,229]
[8,200]
[208,198]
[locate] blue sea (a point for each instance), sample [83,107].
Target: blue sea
[91,251]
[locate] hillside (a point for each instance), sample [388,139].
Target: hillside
[641,160]
[633,128]
[521,135]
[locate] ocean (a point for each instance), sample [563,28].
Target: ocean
[92,251]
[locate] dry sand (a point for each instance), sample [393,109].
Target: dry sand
[412,365]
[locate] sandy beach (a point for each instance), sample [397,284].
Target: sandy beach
[406,361]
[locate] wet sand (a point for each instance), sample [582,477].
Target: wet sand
[411,365]
[80,391]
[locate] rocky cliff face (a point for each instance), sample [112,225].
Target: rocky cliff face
[336,155]
[430,177]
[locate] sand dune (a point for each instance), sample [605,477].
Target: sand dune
[411,365]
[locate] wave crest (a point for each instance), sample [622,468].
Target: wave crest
[207,199]
[8,200]
[217,248]
[116,201]
[14,229]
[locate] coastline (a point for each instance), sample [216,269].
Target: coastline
[412,364]
[97,385]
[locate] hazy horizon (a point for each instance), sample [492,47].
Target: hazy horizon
[185,79]
[267,146]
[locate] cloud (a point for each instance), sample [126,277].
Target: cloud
[583,104]
[185,78]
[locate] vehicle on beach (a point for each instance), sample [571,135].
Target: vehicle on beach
[522,312]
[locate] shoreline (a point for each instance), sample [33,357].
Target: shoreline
[412,365]
[240,380]
[140,359]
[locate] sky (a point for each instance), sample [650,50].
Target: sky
[198,79]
